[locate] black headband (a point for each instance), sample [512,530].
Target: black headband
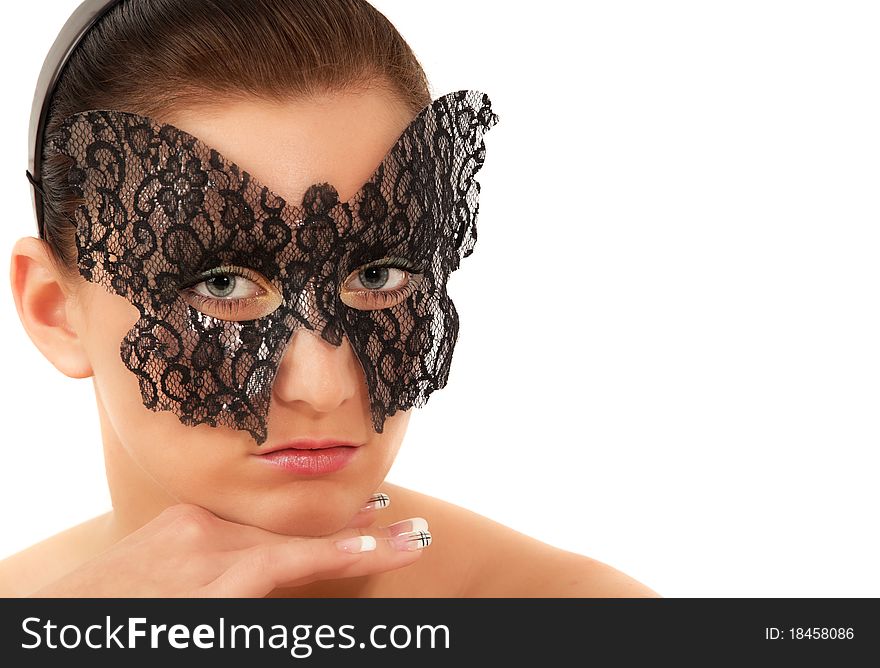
[80,22]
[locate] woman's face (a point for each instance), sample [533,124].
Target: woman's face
[320,390]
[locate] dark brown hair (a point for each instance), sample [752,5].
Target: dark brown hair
[154,56]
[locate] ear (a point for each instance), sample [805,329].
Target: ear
[47,305]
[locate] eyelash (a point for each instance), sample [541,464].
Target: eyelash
[229,308]
[393,262]
[389,296]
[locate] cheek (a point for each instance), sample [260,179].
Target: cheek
[391,438]
[176,456]
[108,319]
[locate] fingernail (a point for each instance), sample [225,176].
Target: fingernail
[357,544]
[411,524]
[411,540]
[378,500]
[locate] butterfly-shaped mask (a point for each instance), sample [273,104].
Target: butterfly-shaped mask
[160,208]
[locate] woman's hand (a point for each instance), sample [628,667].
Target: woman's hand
[187,551]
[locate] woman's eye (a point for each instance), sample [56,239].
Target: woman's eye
[228,286]
[379,278]
[232,293]
[380,285]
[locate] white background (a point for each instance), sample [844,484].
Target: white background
[670,348]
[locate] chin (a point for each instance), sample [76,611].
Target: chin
[293,524]
[311,529]
[314,515]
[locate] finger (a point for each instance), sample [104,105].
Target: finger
[194,524]
[403,526]
[260,569]
[367,514]
[393,550]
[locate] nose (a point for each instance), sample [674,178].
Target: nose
[317,373]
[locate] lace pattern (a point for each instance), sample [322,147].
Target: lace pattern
[161,206]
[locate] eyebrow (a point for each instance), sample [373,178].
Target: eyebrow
[443,105]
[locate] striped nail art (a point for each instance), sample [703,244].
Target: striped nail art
[411,540]
[377,501]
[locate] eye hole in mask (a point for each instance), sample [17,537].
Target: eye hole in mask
[232,293]
[381,284]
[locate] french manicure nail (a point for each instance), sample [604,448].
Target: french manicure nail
[411,540]
[378,500]
[357,544]
[411,524]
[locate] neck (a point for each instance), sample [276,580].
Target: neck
[135,501]
[137,498]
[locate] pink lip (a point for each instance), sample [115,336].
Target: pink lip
[309,456]
[309,444]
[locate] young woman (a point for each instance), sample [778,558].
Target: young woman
[249,416]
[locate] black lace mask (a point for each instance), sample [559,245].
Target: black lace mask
[161,209]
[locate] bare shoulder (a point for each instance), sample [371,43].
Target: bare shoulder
[494,560]
[535,569]
[46,561]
